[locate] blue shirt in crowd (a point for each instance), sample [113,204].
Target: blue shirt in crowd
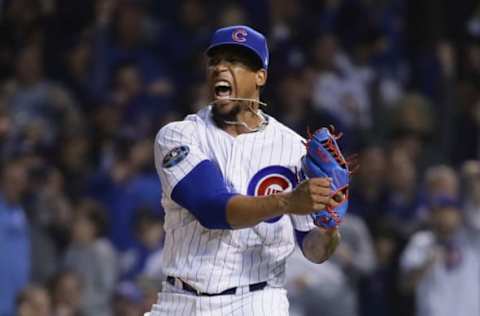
[14,255]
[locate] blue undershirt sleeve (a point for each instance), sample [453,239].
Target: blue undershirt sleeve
[204,194]
[300,236]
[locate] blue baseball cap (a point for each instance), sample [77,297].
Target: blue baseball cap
[244,36]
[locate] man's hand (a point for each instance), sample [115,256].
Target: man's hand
[311,195]
[308,197]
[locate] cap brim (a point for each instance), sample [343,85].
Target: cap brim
[249,48]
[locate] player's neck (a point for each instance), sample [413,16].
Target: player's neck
[252,120]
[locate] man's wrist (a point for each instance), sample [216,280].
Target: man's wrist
[284,204]
[333,239]
[246,211]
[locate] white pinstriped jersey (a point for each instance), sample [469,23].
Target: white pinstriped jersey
[258,163]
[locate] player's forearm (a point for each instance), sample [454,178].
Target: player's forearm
[319,244]
[247,211]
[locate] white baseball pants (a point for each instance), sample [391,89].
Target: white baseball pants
[267,302]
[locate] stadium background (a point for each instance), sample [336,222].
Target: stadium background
[85,85]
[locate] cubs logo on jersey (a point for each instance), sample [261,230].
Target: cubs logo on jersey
[272,180]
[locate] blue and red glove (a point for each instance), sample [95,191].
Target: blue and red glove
[324,159]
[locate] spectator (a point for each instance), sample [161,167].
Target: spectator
[369,189]
[438,180]
[441,180]
[232,14]
[187,39]
[294,104]
[15,246]
[40,110]
[338,89]
[75,164]
[33,301]
[141,105]
[77,74]
[127,300]
[411,127]
[128,184]
[93,258]
[144,257]
[66,292]
[284,42]
[404,198]
[119,37]
[21,22]
[441,266]
[51,208]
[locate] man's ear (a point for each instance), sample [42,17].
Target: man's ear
[261,77]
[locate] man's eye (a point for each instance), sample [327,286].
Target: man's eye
[213,62]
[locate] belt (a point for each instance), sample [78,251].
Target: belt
[187,287]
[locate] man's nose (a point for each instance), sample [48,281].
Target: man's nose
[221,66]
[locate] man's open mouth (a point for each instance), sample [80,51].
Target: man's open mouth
[223,89]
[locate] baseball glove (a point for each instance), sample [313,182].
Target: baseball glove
[324,159]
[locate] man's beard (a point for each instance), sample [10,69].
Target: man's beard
[220,118]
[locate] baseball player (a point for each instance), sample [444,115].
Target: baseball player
[232,194]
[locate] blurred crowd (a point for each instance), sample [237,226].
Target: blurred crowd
[85,85]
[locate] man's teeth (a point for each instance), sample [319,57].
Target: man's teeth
[222,84]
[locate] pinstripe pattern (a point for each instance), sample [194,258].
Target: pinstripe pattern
[268,302]
[215,260]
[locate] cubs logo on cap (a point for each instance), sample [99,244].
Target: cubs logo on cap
[239,35]
[242,35]
[272,180]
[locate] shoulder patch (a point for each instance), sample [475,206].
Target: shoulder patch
[175,156]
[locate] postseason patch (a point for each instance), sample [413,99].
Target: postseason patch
[175,156]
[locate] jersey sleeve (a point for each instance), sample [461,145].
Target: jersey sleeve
[177,151]
[302,223]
